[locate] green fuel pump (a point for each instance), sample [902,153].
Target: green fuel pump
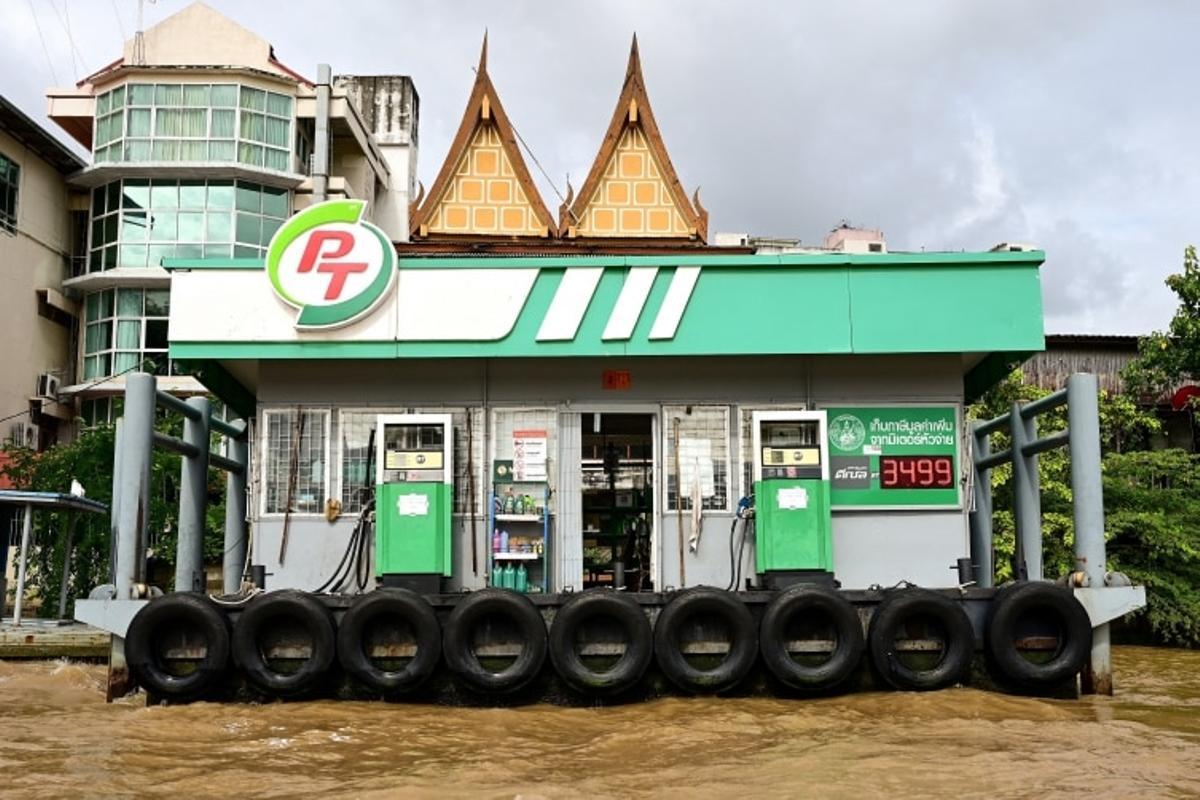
[791,498]
[413,496]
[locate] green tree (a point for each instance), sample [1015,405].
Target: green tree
[1166,358]
[89,459]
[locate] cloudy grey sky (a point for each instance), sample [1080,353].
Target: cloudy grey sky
[949,124]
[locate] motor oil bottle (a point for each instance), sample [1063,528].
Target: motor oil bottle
[522,579]
[497,575]
[503,542]
[496,541]
[509,578]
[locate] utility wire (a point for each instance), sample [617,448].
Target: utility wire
[120,23]
[82,388]
[65,24]
[45,50]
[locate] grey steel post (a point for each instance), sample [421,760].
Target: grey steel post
[193,499]
[981,517]
[1027,499]
[235,517]
[320,165]
[66,573]
[133,471]
[26,533]
[115,505]
[1083,420]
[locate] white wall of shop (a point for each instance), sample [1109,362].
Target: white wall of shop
[870,547]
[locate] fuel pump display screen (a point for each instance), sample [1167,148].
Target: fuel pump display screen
[413,452]
[916,472]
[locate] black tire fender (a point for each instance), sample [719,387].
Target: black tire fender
[811,600]
[743,648]
[1057,603]
[903,605]
[590,605]
[376,606]
[160,615]
[458,649]
[268,609]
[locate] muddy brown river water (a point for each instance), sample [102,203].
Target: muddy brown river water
[58,738]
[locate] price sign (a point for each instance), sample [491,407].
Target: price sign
[916,472]
[894,457]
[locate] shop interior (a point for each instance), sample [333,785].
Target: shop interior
[618,500]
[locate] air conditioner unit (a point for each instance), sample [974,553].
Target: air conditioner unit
[47,386]
[21,434]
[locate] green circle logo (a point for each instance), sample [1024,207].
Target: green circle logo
[330,264]
[846,432]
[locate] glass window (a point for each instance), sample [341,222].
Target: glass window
[294,470]
[125,329]
[10,175]
[702,433]
[194,122]
[185,219]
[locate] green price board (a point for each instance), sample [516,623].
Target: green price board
[894,456]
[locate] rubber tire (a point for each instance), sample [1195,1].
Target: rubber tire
[805,599]
[459,629]
[743,650]
[1007,608]
[881,639]
[417,612]
[628,670]
[170,610]
[263,611]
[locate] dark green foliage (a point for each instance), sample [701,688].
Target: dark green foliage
[89,460]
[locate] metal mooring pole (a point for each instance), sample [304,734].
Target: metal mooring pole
[234,563]
[1027,497]
[133,472]
[981,517]
[1083,420]
[193,500]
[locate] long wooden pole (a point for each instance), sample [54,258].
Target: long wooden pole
[679,506]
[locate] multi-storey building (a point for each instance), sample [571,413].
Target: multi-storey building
[38,231]
[203,142]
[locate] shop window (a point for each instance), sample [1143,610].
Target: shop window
[702,435]
[357,467]
[295,446]
[10,175]
[506,422]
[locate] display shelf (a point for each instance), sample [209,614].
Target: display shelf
[518,517]
[516,556]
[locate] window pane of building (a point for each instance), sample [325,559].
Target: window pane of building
[294,469]
[702,453]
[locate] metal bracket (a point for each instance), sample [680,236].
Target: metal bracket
[1104,604]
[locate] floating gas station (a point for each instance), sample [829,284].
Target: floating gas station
[596,457]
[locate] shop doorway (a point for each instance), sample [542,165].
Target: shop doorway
[617,500]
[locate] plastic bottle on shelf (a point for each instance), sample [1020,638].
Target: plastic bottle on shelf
[496,541]
[503,542]
[497,574]
[509,578]
[522,579]
[510,502]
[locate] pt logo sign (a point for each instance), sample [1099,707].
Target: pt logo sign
[330,264]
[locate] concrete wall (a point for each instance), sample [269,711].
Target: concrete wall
[33,258]
[869,546]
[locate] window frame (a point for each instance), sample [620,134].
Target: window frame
[668,460]
[264,460]
[115,150]
[10,219]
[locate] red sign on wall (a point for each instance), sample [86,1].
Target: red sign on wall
[617,380]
